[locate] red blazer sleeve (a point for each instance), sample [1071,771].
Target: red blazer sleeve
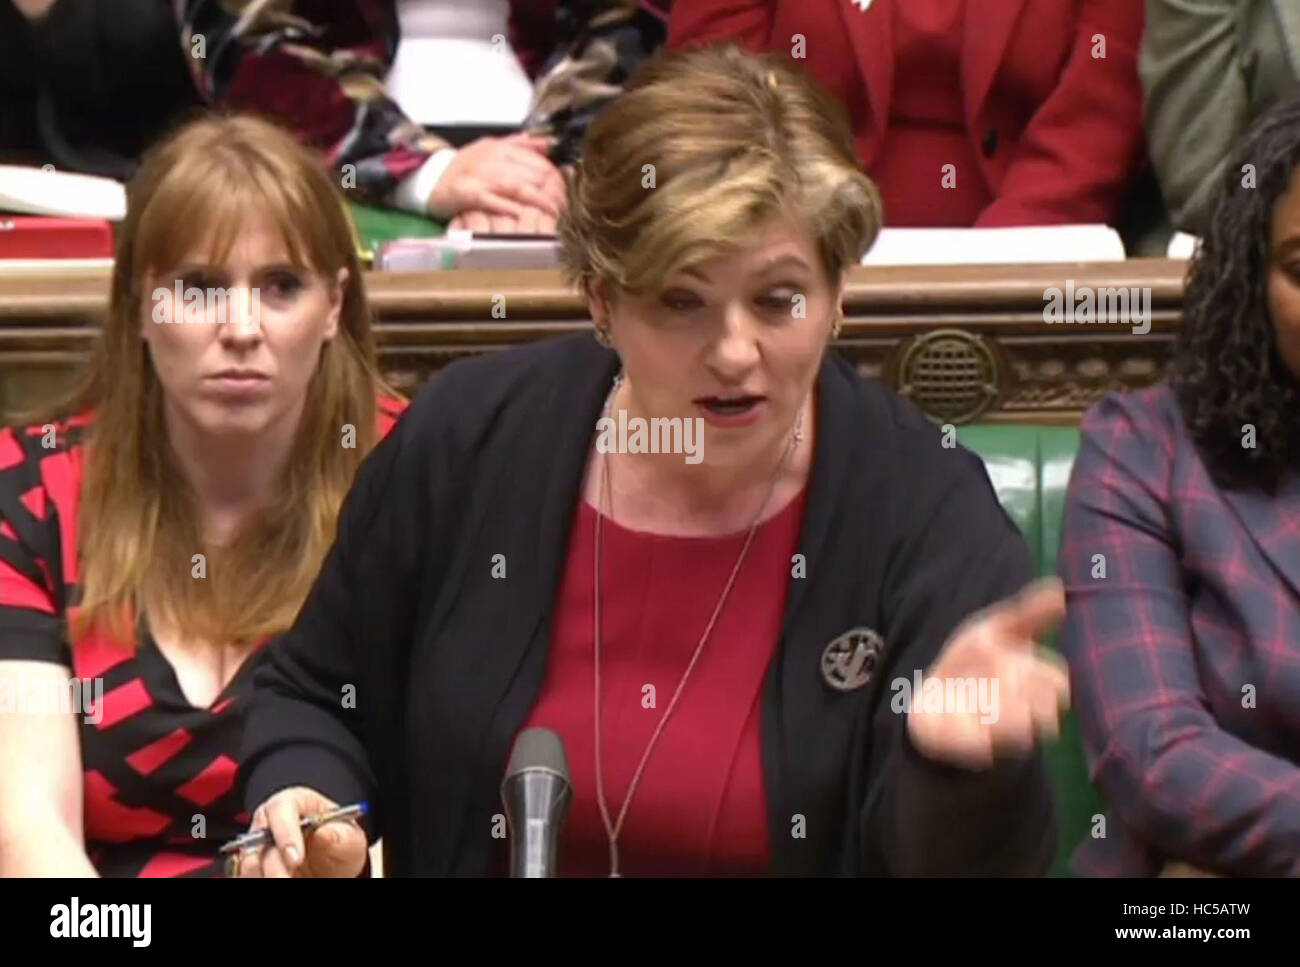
[700,22]
[1084,143]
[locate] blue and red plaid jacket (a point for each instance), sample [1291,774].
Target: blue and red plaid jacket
[1183,637]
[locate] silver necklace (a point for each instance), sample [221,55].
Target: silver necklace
[612,829]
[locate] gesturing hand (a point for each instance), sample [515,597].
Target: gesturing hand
[997,646]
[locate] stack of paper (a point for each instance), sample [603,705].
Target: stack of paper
[895,246]
[461,249]
[1182,246]
[975,246]
[61,220]
[45,191]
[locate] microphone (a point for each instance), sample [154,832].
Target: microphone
[536,794]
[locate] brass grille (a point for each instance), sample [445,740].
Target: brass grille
[950,374]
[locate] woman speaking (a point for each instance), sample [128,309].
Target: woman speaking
[724,625]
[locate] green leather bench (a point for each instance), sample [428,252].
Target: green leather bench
[1030,468]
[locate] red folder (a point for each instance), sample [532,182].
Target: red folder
[25,237]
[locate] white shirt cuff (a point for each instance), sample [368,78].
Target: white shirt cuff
[413,192]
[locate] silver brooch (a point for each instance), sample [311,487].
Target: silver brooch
[850,658]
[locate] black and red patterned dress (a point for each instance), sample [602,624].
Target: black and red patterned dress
[158,773]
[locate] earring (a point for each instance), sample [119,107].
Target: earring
[602,336]
[837,325]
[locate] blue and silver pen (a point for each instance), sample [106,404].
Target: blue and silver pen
[261,837]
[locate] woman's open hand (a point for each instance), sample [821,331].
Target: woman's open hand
[336,848]
[1028,685]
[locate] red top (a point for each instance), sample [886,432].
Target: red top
[927,124]
[152,763]
[700,805]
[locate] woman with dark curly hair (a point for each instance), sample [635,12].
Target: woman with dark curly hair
[1181,556]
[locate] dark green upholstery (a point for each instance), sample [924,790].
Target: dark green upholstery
[1030,468]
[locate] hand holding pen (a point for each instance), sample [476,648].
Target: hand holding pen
[298,832]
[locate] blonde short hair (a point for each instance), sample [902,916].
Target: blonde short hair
[727,139]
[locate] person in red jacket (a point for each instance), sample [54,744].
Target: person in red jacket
[996,113]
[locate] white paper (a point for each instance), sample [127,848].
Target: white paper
[62,267]
[1182,246]
[62,194]
[977,246]
[895,246]
[461,250]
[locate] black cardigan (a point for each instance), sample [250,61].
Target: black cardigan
[410,668]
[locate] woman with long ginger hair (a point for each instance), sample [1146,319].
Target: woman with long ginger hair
[158,526]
